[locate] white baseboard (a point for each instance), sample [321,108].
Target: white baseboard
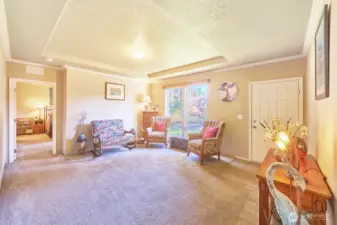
[242,158]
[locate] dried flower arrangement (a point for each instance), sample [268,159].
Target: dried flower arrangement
[289,137]
[276,130]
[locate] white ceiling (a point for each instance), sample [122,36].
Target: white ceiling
[104,34]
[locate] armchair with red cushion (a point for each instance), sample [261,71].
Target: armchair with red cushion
[208,141]
[157,133]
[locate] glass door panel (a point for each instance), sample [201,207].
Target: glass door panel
[174,109]
[196,107]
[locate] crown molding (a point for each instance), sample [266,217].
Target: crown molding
[4,31]
[224,67]
[35,64]
[116,76]
[261,63]
[315,14]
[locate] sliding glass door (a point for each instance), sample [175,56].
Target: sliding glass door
[174,109]
[187,107]
[196,106]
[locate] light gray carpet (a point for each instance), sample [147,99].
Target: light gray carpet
[138,187]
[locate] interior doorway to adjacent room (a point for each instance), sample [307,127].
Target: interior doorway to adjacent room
[32,119]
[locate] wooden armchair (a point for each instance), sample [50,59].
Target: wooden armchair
[206,147]
[151,135]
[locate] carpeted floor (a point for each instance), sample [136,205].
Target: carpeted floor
[138,187]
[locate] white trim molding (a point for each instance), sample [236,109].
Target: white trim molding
[4,31]
[261,63]
[315,14]
[56,25]
[224,67]
[116,76]
[75,61]
[36,64]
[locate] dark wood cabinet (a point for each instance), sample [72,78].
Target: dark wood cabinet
[24,126]
[315,196]
[38,128]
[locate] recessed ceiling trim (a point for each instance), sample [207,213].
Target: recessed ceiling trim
[223,67]
[315,14]
[35,64]
[4,31]
[80,62]
[55,26]
[191,66]
[120,77]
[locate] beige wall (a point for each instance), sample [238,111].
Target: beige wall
[61,111]
[322,114]
[235,140]
[17,70]
[29,97]
[85,93]
[3,113]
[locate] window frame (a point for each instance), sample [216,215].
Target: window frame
[184,104]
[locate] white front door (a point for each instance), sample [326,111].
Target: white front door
[280,99]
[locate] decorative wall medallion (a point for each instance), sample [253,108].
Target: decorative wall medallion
[228,91]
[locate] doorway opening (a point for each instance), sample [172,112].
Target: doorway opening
[32,111]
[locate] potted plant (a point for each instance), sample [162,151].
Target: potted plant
[81,139]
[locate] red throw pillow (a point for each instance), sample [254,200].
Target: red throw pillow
[159,126]
[210,132]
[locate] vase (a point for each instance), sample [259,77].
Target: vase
[82,145]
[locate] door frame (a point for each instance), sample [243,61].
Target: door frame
[250,96]
[12,139]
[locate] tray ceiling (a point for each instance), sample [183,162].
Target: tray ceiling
[105,34]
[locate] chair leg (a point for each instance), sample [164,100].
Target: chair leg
[218,155]
[201,160]
[147,144]
[188,153]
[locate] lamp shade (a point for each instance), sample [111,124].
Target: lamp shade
[147,99]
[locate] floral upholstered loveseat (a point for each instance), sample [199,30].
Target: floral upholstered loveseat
[111,133]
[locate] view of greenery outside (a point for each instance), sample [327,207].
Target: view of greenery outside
[192,120]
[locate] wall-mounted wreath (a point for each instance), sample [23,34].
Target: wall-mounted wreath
[229,91]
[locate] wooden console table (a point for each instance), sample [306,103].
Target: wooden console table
[315,197]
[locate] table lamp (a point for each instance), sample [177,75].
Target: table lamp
[147,101]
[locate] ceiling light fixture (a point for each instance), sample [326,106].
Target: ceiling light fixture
[138,54]
[49,59]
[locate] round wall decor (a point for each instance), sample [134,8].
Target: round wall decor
[228,91]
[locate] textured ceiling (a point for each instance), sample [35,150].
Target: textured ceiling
[104,34]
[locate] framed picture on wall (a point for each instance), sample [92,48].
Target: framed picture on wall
[114,91]
[322,56]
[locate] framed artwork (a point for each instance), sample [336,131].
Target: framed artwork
[322,57]
[114,91]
